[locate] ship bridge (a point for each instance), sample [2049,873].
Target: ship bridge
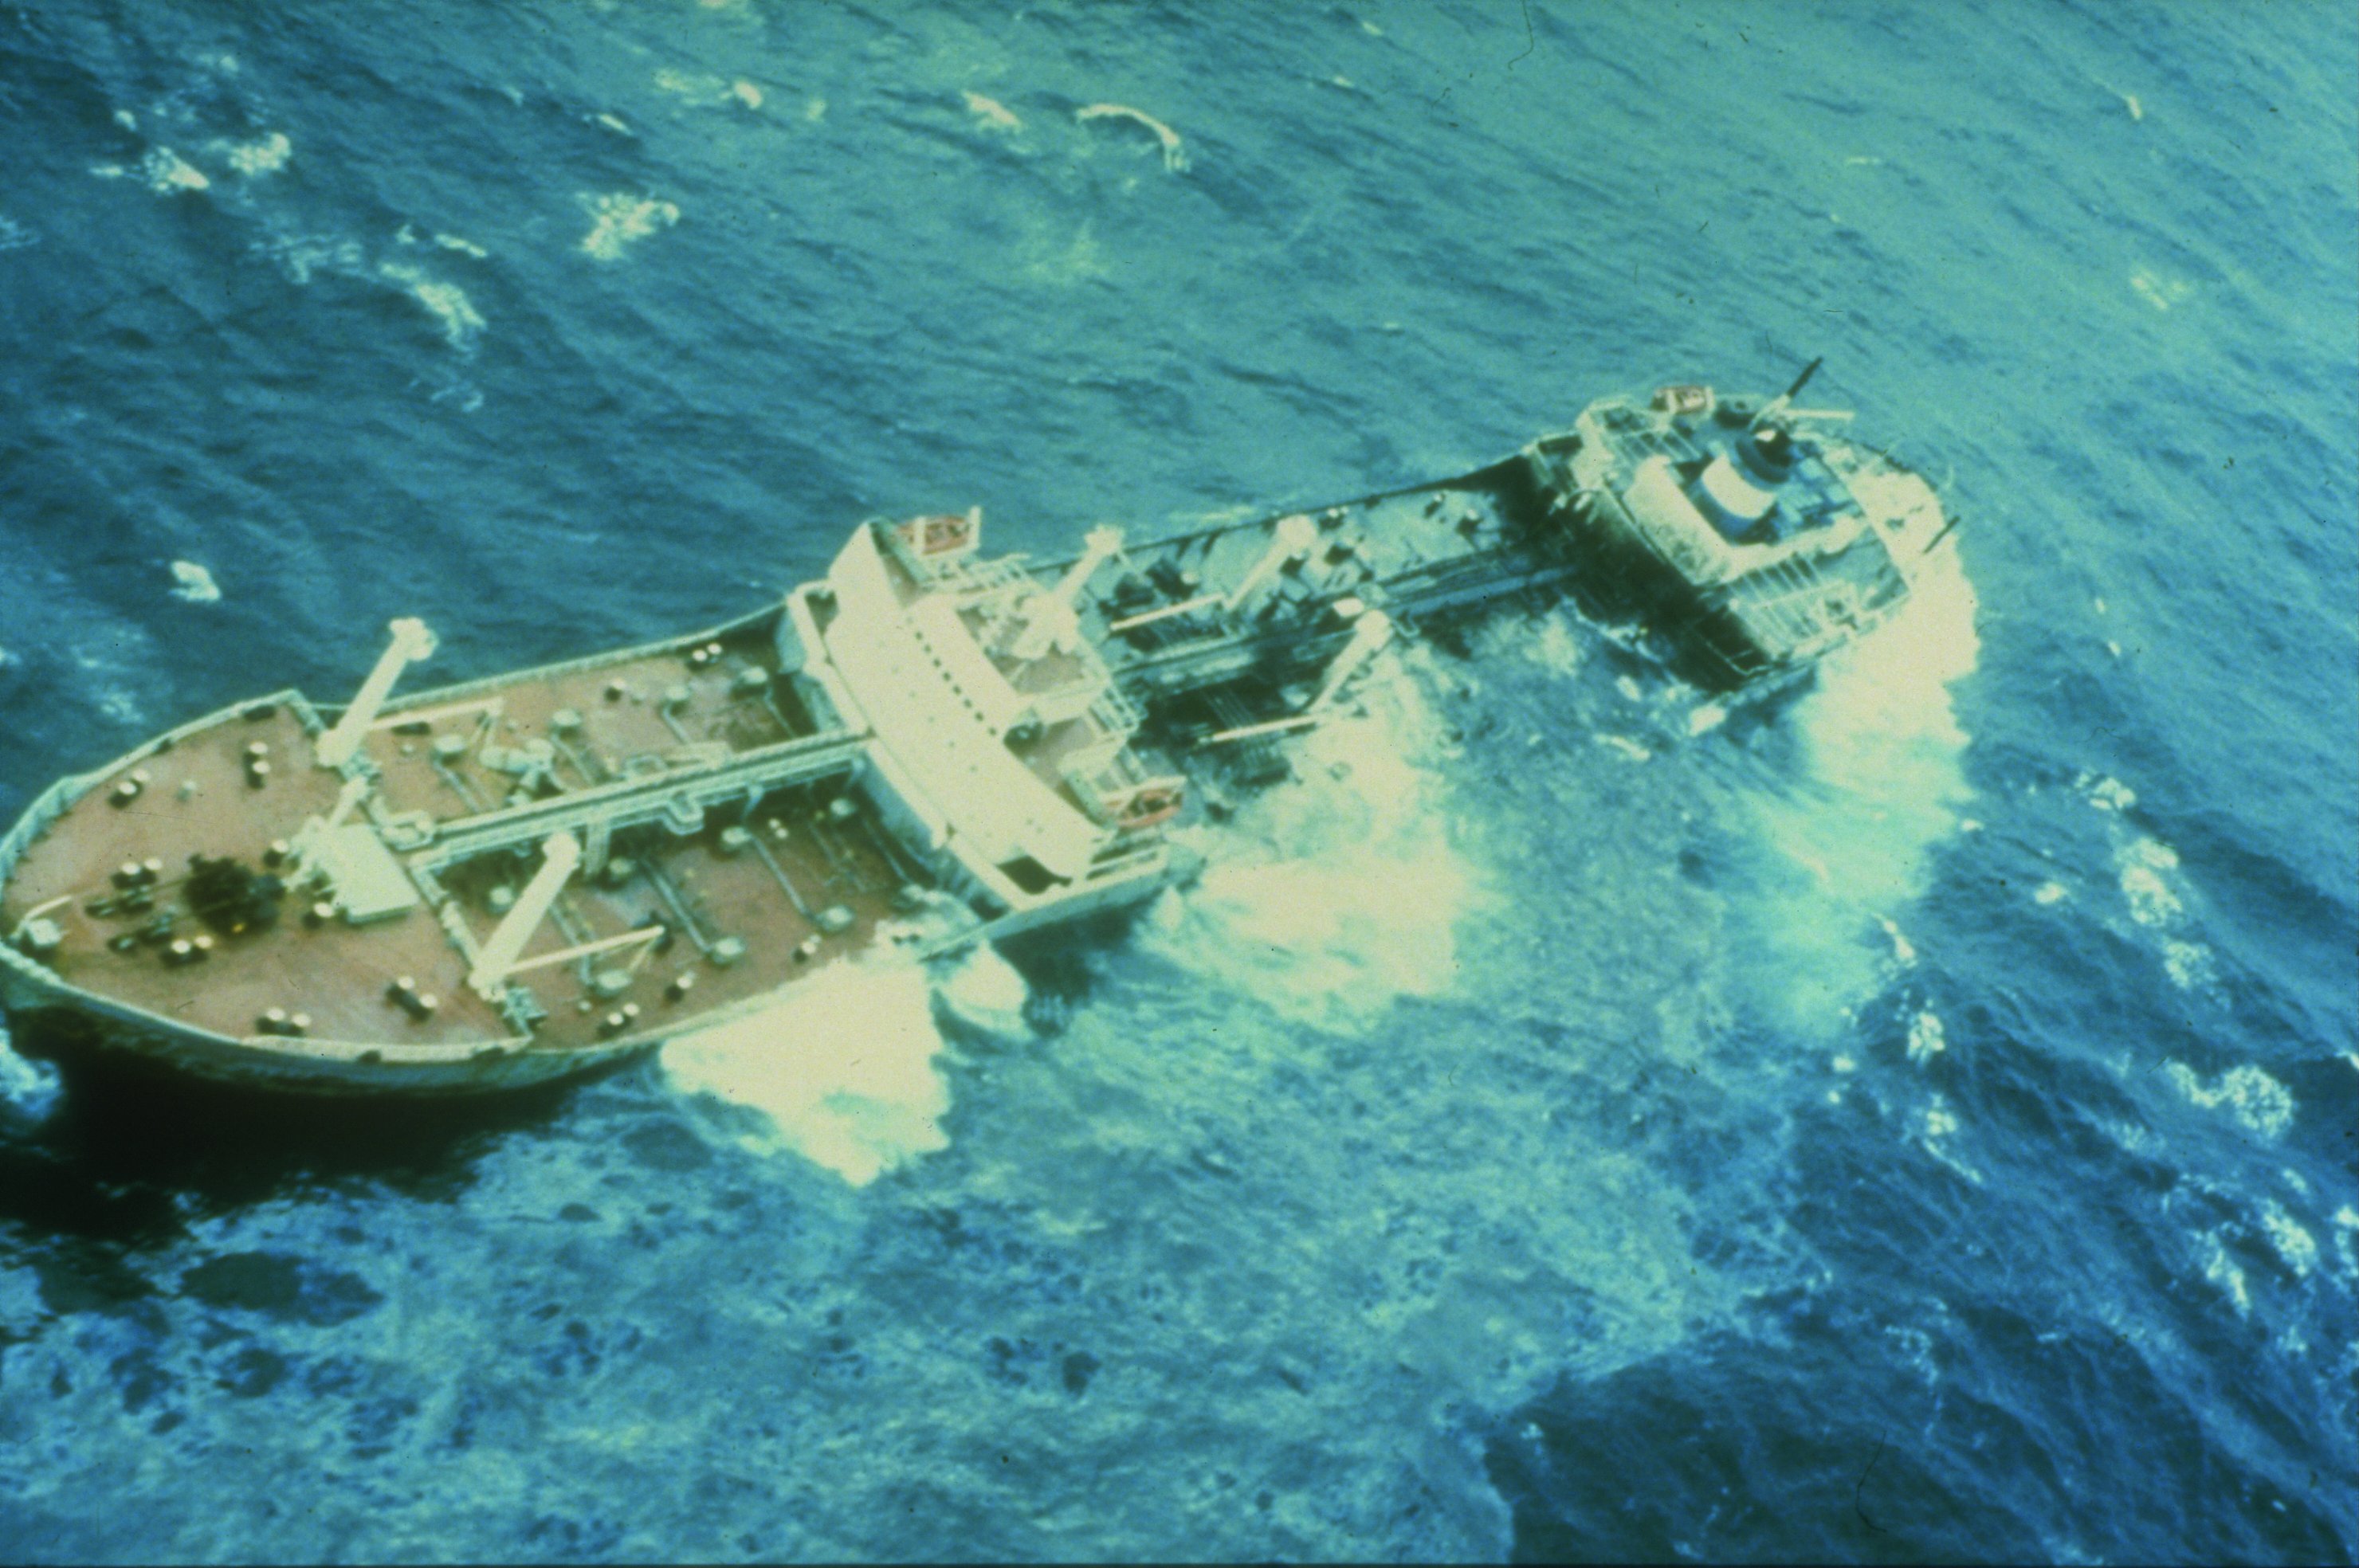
[999,740]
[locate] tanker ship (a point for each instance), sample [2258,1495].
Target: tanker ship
[540,874]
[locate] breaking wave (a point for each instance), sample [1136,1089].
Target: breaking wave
[1885,779]
[840,1071]
[1332,896]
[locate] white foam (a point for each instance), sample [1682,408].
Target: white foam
[2148,869]
[267,156]
[1629,749]
[1926,1038]
[1885,755]
[2049,892]
[2160,290]
[1175,157]
[2142,863]
[990,112]
[2259,1103]
[986,990]
[1904,951]
[1330,897]
[302,255]
[28,1088]
[168,172]
[1935,1127]
[15,236]
[2104,793]
[620,219]
[1705,718]
[2293,1244]
[195,584]
[840,1072]
[2221,1271]
[1553,646]
[446,302]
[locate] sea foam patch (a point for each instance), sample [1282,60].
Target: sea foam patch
[2259,1104]
[1885,779]
[1329,896]
[841,1071]
[195,584]
[620,219]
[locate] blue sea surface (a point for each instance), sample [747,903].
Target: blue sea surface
[1577,1119]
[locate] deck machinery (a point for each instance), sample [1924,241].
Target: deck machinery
[533,875]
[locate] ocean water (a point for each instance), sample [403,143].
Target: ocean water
[1913,1122]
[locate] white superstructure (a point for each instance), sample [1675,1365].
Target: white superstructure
[997,739]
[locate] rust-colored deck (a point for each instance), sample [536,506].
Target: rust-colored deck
[338,973]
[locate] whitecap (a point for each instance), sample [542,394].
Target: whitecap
[1705,718]
[1935,1127]
[2221,1271]
[195,584]
[2148,869]
[446,302]
[166,172]
[2295,1245]
[1629,748]
[302,255]
[2158,290]
[1175,158]
[2142,863]
[620,219]
[991,113]
[2049,892]
[267,156]
[2259,1103]
[1926,1037]
[2106,794]
[840,1071]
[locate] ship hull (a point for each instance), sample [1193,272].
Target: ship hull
[50,1019]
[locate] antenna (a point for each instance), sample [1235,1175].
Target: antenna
[1803,380]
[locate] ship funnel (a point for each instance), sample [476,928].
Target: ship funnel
[1290,540]
[1370,633]
[411,639]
